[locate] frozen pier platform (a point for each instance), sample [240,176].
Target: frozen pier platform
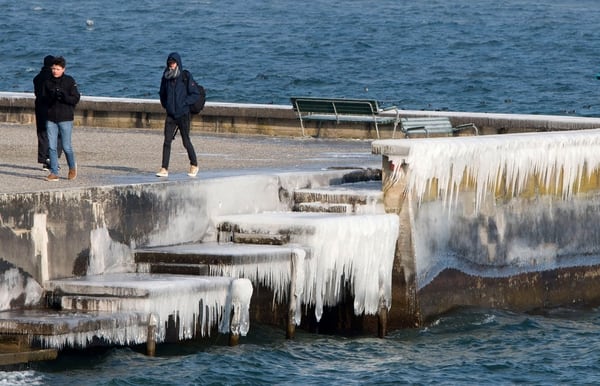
[323,225]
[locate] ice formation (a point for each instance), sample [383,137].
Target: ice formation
[14,284]
[107,255]
[499,238]
[273,273]
[561,159]
[198,302]
[236,317]
[357,250]
[39,235]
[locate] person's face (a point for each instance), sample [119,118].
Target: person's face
[172,65]
[57,70]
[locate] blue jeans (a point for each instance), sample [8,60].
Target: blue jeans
[66,129]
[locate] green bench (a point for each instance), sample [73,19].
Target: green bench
[343,110]
[432,125]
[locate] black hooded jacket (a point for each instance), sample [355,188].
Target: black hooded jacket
[61,95]
[176,96]
[38,83]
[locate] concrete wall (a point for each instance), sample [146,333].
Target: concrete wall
[275,120]
[532,250]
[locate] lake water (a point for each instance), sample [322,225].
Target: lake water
[513,56]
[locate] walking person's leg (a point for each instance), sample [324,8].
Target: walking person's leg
[42,136]
[66,131]
[59,147]
[52,131]
[184,128]
[169,130]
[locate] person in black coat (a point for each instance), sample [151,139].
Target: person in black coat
[176,96]
[41,113]
[61,94]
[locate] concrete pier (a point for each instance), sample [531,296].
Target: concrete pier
[94,224]
[501,221]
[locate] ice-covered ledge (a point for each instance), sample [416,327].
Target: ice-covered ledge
[559,159]
[506,221]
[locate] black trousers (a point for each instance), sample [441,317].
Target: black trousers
[171,125]
[43,154]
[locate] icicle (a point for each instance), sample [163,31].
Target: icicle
[355,250]
[236,316]
[273,274]
[299,262]
[487,160]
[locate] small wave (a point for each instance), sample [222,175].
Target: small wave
[16,378]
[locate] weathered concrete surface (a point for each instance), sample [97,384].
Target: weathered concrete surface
[117,204]
[107,157]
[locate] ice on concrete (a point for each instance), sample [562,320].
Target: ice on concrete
[16,286]
[238,302]
[485,237]
[199,302]
[561,159]
[353,250]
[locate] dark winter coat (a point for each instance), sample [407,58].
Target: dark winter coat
[176,95]
[61,95]
[38,85]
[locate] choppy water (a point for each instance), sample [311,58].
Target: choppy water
[468,347]
[515,56]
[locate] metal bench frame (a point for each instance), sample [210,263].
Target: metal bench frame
[432,125]
[343,110]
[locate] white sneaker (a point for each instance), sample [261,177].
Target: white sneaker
[162,173]
[193,171]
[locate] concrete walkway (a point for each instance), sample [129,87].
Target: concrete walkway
[124,156]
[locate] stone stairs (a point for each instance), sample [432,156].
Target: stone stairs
[356,197]
[264,246]
[181,291]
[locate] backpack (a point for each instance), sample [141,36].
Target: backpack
[199,105]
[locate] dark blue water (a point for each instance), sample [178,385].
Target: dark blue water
[514,56]
[467,347]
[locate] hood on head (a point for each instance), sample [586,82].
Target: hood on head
[48,61]
[176,57]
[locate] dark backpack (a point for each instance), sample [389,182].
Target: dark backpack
[199,105]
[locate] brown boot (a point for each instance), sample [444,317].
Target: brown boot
[72,173]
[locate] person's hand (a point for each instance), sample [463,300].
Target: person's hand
[60,95]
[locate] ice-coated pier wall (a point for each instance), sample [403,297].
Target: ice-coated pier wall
[505,221]
[73,232]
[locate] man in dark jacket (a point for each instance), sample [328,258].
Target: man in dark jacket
[41,113]
[177,94]
[61,94]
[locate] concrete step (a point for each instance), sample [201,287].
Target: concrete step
[110,291]
[9,357]
[213,254]
[267,265]
[174,269]
[266,228]
[344,248]
[294,227]
[320,207]
[358,197]
[197,302]
[56,329]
